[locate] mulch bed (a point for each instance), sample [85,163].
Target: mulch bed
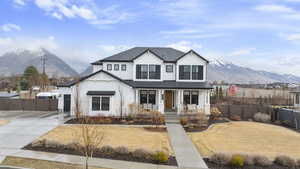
[216,166]
[203,128]
[156,129]
[128,157]
[116,120]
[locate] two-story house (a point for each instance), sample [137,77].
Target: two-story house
[158,78]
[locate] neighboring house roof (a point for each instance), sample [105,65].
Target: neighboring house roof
[8,95]
[148,84]
[295,90]
[169,84]
[165,53]
[106,93]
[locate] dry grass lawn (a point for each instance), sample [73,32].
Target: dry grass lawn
[130,137]
[39,164]
[248,137]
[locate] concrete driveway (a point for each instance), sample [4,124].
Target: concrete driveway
[23,128]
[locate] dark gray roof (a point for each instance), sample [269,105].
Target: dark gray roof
[168,84]
[165,53]
[106,93]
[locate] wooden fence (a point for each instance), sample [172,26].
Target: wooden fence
[245,100]
[245,112]
[29,104]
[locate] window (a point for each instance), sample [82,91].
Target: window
[169,68]
[184,72]
[297,98]
[100,103]
[188,72]
[197,72]
[109,67]
[144,71]
[154,71]
[123,67]
[190,97]
[116,67]
[147,97]
[95,103]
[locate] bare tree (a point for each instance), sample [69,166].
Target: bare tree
[77,101]
[88,138]
[121,101]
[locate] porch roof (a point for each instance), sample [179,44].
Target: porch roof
[169,84]
[295,90]
[106,93]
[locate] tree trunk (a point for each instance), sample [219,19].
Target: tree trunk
[86,162]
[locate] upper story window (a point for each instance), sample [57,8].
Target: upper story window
[169,68]
[123,67]
[190,72]
[109,66]
[144,71]
[116,67]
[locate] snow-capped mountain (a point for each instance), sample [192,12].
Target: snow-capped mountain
[15,62]
[219,70]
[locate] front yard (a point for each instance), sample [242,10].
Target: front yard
[248,137]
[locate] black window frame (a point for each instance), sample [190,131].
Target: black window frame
[98,103]
[190,97]
[197,72]
[171,67]
[148,97]
[109,66]
[123,67]
[183,73]
[145,71]
[154,75]
[297,98]
[116,67]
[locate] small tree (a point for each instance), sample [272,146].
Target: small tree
[30,78]
[77,101]
[88,139]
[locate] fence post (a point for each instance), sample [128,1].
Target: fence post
[228,109]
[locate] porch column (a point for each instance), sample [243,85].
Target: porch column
[179,101]
[136,96]
[160,102]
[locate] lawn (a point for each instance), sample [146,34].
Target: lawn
[39,164]
[130,137]
[248,137]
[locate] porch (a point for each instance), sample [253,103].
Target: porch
[173,100]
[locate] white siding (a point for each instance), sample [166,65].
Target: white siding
[96,68]
[191,59]
[126,75]
[147,58]
[62,91]
[169,75]
[102,82]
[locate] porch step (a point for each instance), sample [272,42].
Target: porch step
[171,117]
[172,121]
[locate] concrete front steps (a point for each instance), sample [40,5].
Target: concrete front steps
[172,118]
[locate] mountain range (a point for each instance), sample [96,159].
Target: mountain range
[15,62]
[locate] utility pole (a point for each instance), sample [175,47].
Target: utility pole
[43,59]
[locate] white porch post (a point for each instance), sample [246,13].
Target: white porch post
[179,101]
[161,106]
[136,96]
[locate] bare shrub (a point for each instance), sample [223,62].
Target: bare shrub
[52,144]
[285,161]
[249,159]
[122,150]
[107,149]
[262,160]
[221,158]
[215,112]
[262,117]
[142,154]
[202,118]
[298,162]
[38,143]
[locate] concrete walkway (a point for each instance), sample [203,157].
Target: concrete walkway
[97,162]
[187,155]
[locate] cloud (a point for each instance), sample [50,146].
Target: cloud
[242,52]
[274,8]
[112,49]
[185,46]
[10,27]
[19,2]
[7,44]
[84,9]
[290,37]
[181,31]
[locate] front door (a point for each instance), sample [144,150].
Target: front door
[67,103]
[168,99]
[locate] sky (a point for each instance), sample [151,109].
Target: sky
[261,34]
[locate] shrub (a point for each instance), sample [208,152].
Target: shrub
[52,144]
[249,159]
[261,160]
[122,150]
[285,161]
[220,158]
[202,118]
[183,121]
[142,154]
[73,146]
[237,160]
[215,112]
[235,118]
[298,162]
[107,149]
[262,117]
[161,157]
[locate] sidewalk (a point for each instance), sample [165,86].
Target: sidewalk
[187,155]
[97,162]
